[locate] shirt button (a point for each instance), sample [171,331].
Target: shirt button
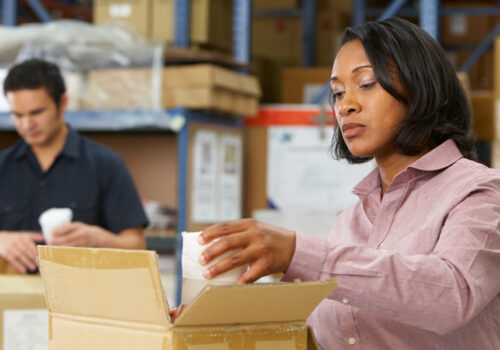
[345,300]
[351,341]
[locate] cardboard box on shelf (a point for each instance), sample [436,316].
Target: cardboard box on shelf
[23,314]
[344,6]
[207,86]
[481,73]
[482,102]
[496,68]
[210,22]
[299,85]
[200,86]
[329,29]
[135,12]
[278,39]
[268,71]
[275,4]
[117,297]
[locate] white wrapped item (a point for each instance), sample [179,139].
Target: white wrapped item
[52,219]
[192,271]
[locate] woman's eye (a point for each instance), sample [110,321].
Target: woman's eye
[368,85]
[337,94]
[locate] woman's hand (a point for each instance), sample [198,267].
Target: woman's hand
[265,248]
[176,312]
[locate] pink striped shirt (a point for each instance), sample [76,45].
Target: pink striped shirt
[418,269]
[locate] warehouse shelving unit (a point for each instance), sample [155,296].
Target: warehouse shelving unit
[113,121]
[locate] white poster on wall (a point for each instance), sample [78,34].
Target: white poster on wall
[302,175]
[230,164]
[204,190]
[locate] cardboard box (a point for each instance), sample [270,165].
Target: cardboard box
[300,85]
[481,74]
[330,26]
[135,12]
[279,39]
[116,297]
[120,88]
[496,68]
[275,4]
[482,102]
[210,22]
[23,314]
[344,6]
[206,86]
[202,86]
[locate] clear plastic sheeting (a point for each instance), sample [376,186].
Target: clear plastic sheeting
[89,55]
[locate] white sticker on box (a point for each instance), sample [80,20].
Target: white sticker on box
[25,329]
[458,25]
[275,345]
[220,346]
[120,10]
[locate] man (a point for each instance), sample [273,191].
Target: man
[53,166]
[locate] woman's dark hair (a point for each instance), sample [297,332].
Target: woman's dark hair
[437,107]
[34,74]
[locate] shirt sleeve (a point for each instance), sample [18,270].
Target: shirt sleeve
[439,292]
[122,207]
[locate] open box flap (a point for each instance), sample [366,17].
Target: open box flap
[255,303]
[111,284]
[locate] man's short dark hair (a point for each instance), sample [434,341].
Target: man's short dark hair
[437,107]
[35,74]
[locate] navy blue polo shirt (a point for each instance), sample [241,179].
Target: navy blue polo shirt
[87,177]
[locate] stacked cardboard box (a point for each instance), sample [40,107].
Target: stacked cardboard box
[113,299]
[210,21]
[202,86]
[23,314]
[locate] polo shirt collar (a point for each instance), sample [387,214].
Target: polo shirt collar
[71,147]
[439,158]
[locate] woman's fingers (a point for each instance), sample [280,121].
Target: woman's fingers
[225,244]
[224,229]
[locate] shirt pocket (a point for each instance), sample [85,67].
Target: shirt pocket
[14,215]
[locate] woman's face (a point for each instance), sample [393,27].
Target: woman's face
[367,115]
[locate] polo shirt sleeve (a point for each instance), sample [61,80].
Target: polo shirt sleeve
[121,205]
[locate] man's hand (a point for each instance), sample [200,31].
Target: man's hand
[176,312]
[77,234]
[266,248]
[19,249]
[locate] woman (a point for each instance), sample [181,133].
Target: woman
[418,257]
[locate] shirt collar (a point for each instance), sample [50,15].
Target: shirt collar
[71,146]
[439,158]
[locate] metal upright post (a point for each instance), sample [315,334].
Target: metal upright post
[181,23]
[429,17]
[392,9]
[9,12]
[358,12]
[242,30]
[308,32]
[40,11]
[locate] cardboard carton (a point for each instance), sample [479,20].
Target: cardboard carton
[275,4]
[206,86]
[135,12]
[23,314]
[113,299]
[210,22]
[202,86]
[301,85]
[482,102]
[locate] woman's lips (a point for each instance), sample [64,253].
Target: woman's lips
[352,129]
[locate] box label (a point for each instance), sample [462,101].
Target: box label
[120,10]
[25,329]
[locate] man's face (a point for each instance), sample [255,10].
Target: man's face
[35,115]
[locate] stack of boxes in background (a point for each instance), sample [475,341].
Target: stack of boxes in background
[277,42]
